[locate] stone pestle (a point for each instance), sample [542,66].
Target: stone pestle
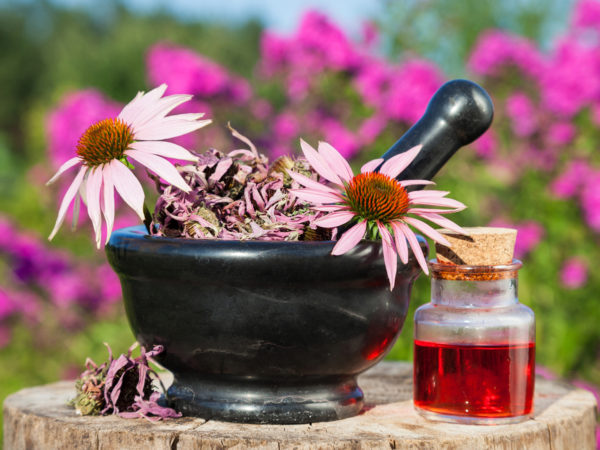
[458,113]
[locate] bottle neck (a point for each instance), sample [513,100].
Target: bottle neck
[474,293]
[464,286]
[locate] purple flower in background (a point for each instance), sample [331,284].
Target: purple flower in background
[371,128]
[486,145]
[590,201]
[286,126]
[522,113]
[372,82]
[572,80]
[561,133]
[185,71]
[496,50]
[574,273]
[74,114]
[370,34]
[571,180]
[399,92]
[587,15]
[323,39]
[7,304]
[529,234]
[274,52]
[343,139]
[410,89]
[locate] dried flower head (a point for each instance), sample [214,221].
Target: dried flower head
[237,196]
[121,386]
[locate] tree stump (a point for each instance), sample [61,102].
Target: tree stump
[565,418]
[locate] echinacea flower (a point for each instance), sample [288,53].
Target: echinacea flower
[103,153]
[377,203]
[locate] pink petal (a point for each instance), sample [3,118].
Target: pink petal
[396,164]
[427,230]
[350,238]
[335,219]
[336,161]
[66,166]
[318,163]
[389,255]
[128,187]
[167,129]
[108,205]
[127,113]
[64,205]
[317,197]
[93,186]
[166,149]
[427,194]
[140,103]
[371,165]
[400,239]
[443,222]
[159,109]
[414,245]
[161,167]
[420,211]
[446,202]
[405,183]
[310,183]
[330,208]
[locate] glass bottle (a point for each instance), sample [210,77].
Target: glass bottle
[474,359]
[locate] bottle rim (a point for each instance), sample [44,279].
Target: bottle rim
[475,273]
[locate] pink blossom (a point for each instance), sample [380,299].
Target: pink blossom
[496,50]
[561,133]
[522,112]
[574,273]
[74,114]
[319,36]
[370,33]
[274,52]
[344,140]
[185,71]
[410,88]
[286,126]
[486,145]
[399,92]
[372,82]
[529,234]
[571,180]
[7,304]
[261,108]
[371,128]
[572,80]
[590,201]
[587,14]
[110,287]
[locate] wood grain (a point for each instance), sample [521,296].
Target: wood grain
[565,417]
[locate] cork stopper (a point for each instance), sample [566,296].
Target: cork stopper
[482,246]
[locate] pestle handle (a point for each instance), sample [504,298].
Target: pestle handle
[458,113]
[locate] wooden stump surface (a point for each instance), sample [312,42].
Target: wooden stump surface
[565,418]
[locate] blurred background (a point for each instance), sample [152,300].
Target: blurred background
[356,74]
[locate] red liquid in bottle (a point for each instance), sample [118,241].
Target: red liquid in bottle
[472,380]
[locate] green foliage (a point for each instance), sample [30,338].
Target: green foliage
[445,30]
